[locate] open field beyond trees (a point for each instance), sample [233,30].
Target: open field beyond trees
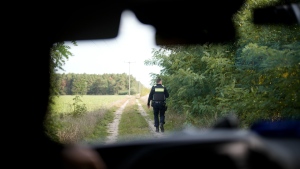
[64,103]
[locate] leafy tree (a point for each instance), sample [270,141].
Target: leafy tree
[79,86]
[59,53]
[97,87]
[266,60]
[255,77]
[270,76]
[193,74]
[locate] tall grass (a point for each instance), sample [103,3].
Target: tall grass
[89,126]
[100,133]
[76,129]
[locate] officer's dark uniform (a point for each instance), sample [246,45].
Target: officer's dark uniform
[157,96]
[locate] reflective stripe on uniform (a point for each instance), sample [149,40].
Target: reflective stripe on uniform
[159,89]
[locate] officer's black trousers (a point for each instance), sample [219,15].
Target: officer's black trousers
[159,114]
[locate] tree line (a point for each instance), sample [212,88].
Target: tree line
[96,84]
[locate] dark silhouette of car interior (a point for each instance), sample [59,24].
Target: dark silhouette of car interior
[266,145]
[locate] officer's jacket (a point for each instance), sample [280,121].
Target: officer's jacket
[158,93]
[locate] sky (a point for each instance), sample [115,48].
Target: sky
[124,54]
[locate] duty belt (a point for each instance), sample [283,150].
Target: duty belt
[158,101]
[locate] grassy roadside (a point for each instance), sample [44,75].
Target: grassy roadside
[92,126]
[100,130]
[88,128]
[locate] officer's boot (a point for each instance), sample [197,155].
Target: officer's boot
[157,129]
[162,127]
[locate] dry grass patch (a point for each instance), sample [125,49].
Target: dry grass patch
[75,129]
[88,127]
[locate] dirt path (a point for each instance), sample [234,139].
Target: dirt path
[114,126]
[148,119]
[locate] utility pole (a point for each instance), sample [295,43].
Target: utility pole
[139,87]
[129,79]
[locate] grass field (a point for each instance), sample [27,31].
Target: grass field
[64,103]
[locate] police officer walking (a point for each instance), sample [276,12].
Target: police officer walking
[157,96]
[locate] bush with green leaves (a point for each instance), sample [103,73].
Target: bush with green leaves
[79,107]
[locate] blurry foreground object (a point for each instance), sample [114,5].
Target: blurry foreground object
[80,157]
